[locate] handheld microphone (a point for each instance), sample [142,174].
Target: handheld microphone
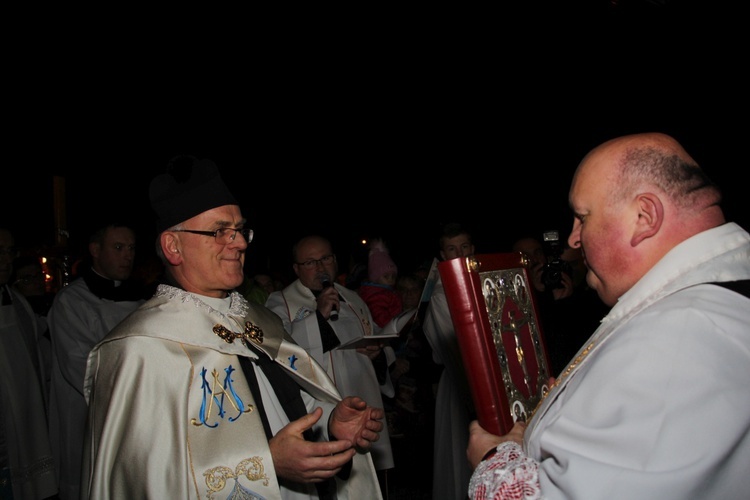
[325,280]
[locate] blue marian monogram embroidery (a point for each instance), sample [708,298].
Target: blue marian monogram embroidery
[302,313]
[219,394]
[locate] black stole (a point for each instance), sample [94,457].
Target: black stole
[287,391]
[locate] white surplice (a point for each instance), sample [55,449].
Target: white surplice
[77,320]
[454,408]
[352,372]
[657,402]
[24,440]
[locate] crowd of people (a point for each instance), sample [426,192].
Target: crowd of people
[268,392]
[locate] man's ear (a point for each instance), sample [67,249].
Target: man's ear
[650,217]
[170,245]
[94,249]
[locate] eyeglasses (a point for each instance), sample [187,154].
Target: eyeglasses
[224,235]
[312,263]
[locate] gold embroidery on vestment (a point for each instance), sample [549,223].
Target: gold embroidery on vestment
[252,468]
[365,322]
[564,374]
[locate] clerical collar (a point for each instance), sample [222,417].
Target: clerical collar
[116,282]
[105,288]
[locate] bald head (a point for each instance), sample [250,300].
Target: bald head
[651,161]
[635,198]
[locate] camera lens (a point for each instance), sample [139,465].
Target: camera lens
[552,276]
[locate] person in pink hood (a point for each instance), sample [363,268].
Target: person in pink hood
[379,291]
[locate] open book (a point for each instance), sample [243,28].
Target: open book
[400,323]
[392,330]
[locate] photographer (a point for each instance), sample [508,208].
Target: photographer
[546,270]
[569,310]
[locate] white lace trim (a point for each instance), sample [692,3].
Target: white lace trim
[238,305]
[509,474]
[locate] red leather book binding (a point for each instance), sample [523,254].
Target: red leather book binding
[495,316]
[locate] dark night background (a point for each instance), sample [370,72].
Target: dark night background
[387,131]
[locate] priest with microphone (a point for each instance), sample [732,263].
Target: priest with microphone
[325,280]
[325,318]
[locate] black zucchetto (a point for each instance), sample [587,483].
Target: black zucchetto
[189,187]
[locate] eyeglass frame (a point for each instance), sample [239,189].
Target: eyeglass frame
[313,263]
[246,233]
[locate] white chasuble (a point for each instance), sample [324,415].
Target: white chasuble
[171,413]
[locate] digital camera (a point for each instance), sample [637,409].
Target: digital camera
[555,266]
